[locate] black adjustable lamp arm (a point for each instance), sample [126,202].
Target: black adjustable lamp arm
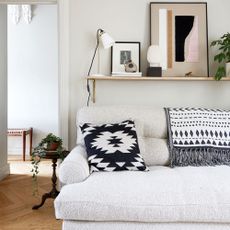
[99,32]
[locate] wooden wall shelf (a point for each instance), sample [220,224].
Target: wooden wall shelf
[131,78]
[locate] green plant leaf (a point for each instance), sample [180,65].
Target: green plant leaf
[223,45]
[219,57]
[39,152]
[213,43]
[220,73]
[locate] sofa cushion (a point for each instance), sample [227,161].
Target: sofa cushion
[150,125]
[163,194]
[153,119]
[154,150]
[113,147]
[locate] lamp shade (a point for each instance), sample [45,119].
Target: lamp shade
[154,55]
[106,40]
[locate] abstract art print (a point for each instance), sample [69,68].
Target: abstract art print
[180,30]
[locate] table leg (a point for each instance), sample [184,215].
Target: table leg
[24,145]
[54,192]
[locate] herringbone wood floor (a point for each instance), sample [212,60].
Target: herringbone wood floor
[16,199]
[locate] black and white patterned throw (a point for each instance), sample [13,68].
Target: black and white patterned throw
[198,137]
[113,147]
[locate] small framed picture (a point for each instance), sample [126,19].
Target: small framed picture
[123,53]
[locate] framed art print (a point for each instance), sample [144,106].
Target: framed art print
[123,52]
[180,30]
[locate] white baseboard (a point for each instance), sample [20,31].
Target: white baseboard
[4,171]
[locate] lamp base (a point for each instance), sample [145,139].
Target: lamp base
[154,72]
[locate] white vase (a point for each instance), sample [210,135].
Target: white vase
[227,65]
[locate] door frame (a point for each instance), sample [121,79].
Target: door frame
[63,61]
[64,64]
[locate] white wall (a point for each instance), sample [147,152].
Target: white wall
[128,20]
[4,167]
[33,75]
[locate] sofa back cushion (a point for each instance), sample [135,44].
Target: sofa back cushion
[150,124]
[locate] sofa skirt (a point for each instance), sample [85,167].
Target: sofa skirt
[78,225]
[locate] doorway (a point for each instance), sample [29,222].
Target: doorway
[32,76]
[63,74]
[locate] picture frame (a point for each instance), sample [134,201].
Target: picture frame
[123,51]
[180,29]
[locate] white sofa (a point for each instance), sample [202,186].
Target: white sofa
[187,198]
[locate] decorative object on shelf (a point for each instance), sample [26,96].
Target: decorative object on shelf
[180,30]
[223,57]
[189,74]
[126,74]
[18,11]
[154,59]
[122,53]
[130,67]
[107,42]
[227,69]
[49,143]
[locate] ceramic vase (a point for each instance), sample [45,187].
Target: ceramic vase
[228,69]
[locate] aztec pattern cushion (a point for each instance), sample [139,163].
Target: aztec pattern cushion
[198,137]
[113,147]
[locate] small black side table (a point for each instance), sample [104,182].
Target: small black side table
[52,155]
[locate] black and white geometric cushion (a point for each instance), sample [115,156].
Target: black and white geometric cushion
[113,147]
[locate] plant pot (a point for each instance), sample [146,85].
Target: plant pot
[53,146]
[227,66]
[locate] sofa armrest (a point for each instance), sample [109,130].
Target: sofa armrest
[74,168]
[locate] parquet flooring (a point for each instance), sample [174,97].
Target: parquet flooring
[16,199]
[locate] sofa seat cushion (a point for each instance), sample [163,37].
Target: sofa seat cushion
[163,194]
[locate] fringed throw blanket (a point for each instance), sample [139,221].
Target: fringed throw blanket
[198,137]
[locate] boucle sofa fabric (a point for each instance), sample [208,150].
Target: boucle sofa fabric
[74,168]
[153,119]
[150,124]
[80,225]
[190,194]
[154,150]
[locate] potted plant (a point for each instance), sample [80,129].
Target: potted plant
[223,56]
[49,143]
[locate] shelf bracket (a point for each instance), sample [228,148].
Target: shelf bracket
[94,91]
